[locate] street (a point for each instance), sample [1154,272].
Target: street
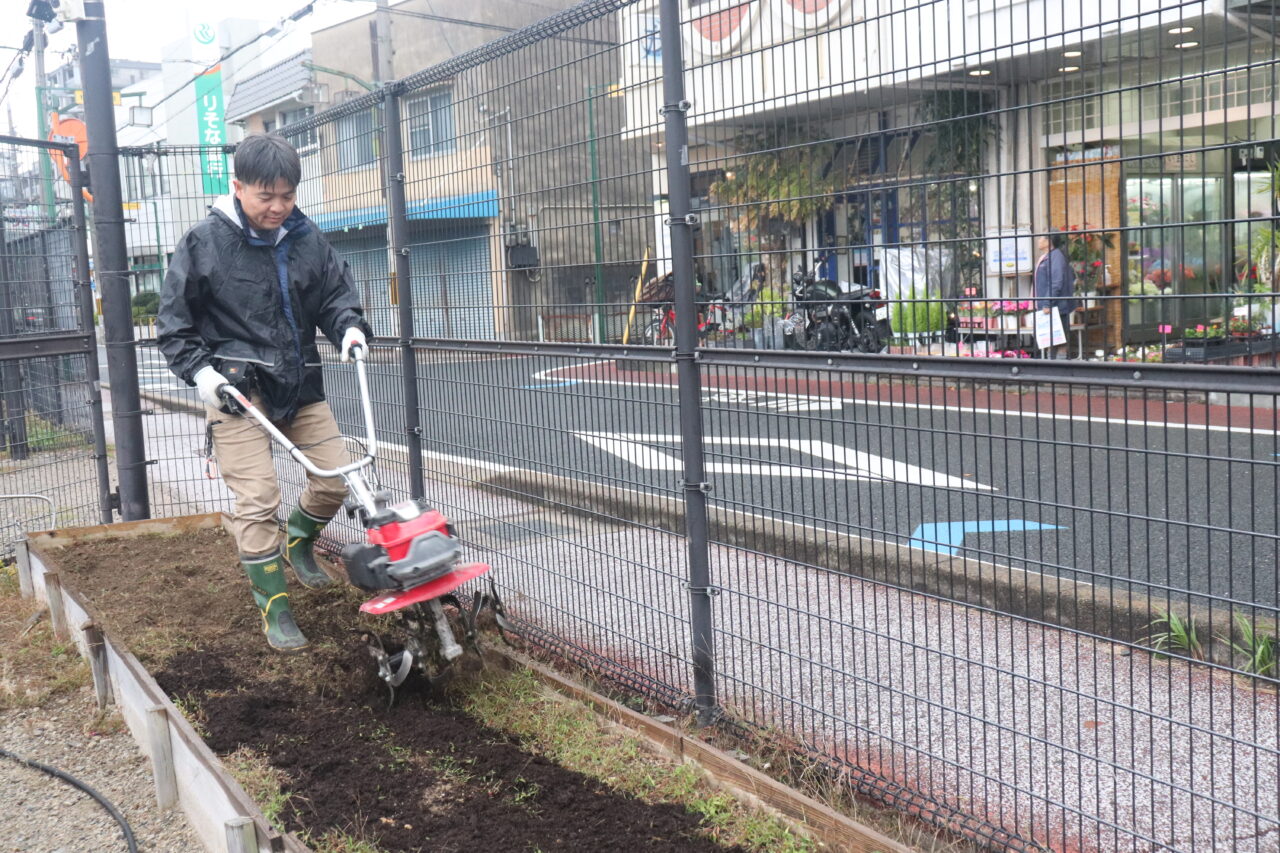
[1150,506]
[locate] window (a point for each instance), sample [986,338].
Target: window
[430,124]
[143,178]
[1070,105]
[299,140]
[355,140]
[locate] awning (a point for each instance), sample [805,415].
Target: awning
[481,205]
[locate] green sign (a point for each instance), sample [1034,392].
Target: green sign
[211,131]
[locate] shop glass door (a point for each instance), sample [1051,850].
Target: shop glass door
[1174,241]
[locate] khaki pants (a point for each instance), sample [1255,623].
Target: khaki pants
[243,451]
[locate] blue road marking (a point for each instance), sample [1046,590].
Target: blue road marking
[946,538]
[560,384]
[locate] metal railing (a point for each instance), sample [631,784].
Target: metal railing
[1024,598]
[53,456]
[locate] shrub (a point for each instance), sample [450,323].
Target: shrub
[917,317]
[146,304]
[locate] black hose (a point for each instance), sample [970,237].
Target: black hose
[88,789]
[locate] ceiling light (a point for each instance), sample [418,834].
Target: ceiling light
[1183,45]
[1177,31]
[980,72]
[1067,69]
[1072,54]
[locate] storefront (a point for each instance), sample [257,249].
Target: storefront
[1176,182]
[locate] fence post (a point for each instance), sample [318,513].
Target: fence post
[99,667]
[688,375]
[13,417]
[160,745]
[397,234]
[85,290]
[241,834]
[113,264]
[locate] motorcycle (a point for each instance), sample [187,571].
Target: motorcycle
[812,323]
[830,318]
[863,316]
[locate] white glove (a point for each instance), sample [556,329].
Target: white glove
[208,381]
[352,337]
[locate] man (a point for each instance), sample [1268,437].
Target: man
[245,291]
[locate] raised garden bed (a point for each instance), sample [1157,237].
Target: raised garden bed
[310,736]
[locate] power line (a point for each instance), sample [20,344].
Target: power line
[444,34]
[9,68]
[463,22]
[265,48]
[299,14]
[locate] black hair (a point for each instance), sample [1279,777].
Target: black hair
[1057,239]
[262,159]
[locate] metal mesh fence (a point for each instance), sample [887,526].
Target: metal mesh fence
[1028,599]
[52,455]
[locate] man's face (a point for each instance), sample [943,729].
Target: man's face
[266,207]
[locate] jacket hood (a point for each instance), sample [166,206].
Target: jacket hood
[227,207]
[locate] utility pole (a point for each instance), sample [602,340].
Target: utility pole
[384,73]
[39,43]
[383,61]
[111,263]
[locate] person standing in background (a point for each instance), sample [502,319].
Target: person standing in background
[1055,281]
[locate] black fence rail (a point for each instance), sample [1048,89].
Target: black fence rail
[714,328]
[53,462]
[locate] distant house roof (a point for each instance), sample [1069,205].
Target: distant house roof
[269,87]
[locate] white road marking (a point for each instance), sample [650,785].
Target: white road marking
[547,375]
[639,449]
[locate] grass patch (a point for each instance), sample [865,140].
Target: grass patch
[781,758]
[36,665]
[778,756]
[571,735]
[43,436]
[189,707]
[340,842]
[264,783]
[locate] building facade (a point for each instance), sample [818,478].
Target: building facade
[955,131]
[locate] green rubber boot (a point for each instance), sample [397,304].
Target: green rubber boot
[266,574]
[301,531]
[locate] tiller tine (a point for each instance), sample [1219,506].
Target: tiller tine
[393,669]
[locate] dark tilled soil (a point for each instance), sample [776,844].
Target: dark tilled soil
[421,776]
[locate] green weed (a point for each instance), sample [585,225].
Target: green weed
[261,781]
[1177,636]
[1257,648]
[571,735]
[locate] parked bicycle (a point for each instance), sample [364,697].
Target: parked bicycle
[660,330]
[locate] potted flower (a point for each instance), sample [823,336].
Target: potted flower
[1087,249]
[1203,334]
[1243,327]
[972,314]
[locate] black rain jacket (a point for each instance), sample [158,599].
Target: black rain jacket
[224,297]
